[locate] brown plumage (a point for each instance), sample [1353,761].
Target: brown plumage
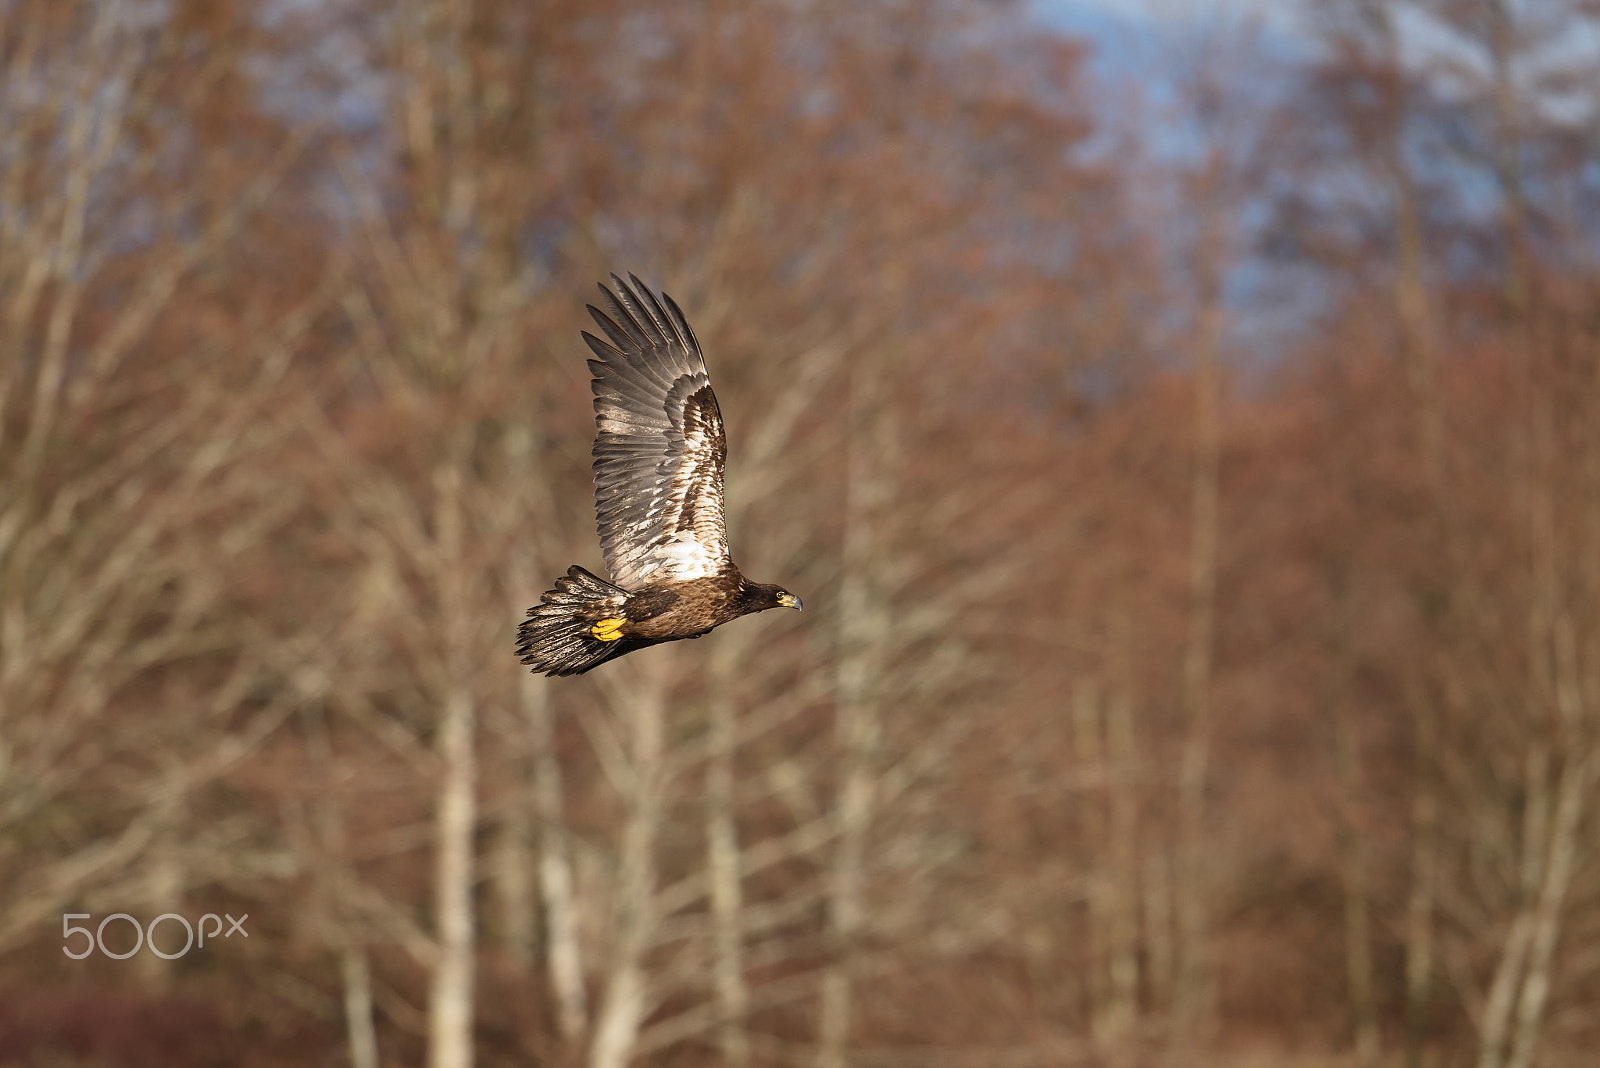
[658,458]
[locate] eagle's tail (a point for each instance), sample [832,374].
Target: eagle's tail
[558,638]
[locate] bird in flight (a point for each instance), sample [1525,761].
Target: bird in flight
[658,460]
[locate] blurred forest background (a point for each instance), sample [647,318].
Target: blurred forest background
[1191,470]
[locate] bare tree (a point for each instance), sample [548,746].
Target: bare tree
[124,448]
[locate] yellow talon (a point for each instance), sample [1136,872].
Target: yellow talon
[608,630]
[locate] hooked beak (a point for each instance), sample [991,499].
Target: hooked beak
[789,600]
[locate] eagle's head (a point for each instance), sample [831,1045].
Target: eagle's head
[760,596]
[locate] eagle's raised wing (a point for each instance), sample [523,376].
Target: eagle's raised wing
[659,454]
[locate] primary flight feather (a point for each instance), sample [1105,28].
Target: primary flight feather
[658,460]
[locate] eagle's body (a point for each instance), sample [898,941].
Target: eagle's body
[658,461]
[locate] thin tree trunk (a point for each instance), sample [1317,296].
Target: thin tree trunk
[1418,356]
[1573,792]
[622,1009]
[722,848]
[563,950]
[331,892]
[361,1034]
[1495,1025]
[1514,1010]
[1555,801]
[858,729]
[1519,989]
[450,996]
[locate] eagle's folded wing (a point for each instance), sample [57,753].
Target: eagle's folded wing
[659,454]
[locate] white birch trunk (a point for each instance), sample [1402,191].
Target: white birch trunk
[359,1030]
[563,949]
[1574,791]
[623,1006]
[858,728]
[722,856]
[450,996]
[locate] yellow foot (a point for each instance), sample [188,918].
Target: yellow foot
[608,630]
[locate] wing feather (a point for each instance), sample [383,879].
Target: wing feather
[660,449]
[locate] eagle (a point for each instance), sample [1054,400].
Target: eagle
[658,460]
